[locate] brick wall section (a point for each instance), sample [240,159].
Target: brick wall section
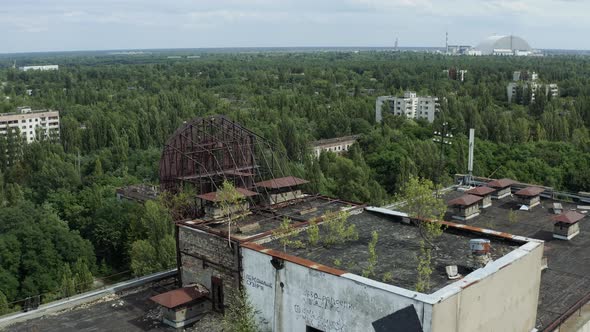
[210,247]
[204,255]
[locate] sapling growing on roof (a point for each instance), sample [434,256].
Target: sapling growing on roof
[285,234]
[338,229]
[229,197]
[417,198]
[369,271]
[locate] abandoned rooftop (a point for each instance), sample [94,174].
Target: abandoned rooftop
[261,221]
[397,248]
[565,282]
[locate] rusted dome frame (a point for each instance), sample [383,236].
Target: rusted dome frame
[205,151]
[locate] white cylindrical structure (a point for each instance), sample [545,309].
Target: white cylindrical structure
[471,145]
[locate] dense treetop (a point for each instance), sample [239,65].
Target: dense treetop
[57,201]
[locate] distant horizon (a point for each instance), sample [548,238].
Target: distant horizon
[69,25]
[351,48]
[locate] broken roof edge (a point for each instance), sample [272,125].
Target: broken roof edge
[203,225]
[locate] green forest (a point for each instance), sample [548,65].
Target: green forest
[63,230]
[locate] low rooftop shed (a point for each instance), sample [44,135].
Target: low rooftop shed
[567,225]
[502,186]
[465,207]
[485,193]
[529,196]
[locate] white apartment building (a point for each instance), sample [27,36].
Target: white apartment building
[526,81]
[410,105]
[33,125]
[42,68]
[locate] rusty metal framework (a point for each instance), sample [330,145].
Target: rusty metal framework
[207,151]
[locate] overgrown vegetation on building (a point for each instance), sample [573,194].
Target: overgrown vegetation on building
[240,315]
[338,230]
[418,200]
[369,271]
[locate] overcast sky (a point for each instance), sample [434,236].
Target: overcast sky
[63,25]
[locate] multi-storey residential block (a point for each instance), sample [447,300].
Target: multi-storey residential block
[33,125]
[410,105]
[42,68]
[526,80]
[456,74]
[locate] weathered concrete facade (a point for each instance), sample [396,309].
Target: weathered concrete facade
[208,259]
[298,294]
[502,296]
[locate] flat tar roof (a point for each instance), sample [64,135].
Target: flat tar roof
[397,249]
[130,312]
[567,278]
